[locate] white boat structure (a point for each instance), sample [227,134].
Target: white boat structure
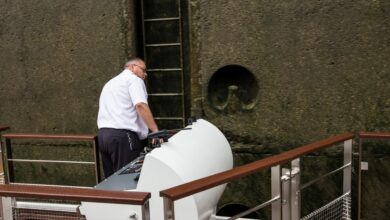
[195,152]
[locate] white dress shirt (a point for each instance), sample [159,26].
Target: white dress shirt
[117,104]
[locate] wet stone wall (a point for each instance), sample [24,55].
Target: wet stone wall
[55,57]
[302,70]
[274,75]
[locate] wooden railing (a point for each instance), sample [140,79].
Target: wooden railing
[175,193]
[3,128]
[362,137]
[75,137]
[374,135]
[14,191]
[172,194]
[73,193]
[9,160]
[11,192]
[199,185]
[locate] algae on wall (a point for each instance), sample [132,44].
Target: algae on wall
[313,69]
[321,68]
[55,57]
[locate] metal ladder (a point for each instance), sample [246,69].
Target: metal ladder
[163,54]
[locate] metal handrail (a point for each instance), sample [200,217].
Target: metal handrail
[199,185]
[178,192]
[73,193]
[8,157]
[51,161]
[303,186]
[9,194]
[264,204]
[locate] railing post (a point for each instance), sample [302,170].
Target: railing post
[360,179]
[286,193]
[146,211]
[169,209]
[97,160]
[290,192]
[276,191]
[9,166]
[6,208]
[295,191]
[2,159]
[347,172]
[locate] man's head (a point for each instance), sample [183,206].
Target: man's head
[137,66]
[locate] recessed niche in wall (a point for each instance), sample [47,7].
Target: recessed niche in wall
[232,88]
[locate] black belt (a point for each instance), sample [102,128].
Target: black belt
[119,129]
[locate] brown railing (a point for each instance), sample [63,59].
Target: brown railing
[187,189]
[362,137]
[73,193]
[199,185]
[374,135]
[3,128]
[172,194]
[9,160]
[71,137]
[70,194]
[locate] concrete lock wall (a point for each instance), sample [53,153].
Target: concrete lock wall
[270,74]
[56,56]
[302,71]
[321,67]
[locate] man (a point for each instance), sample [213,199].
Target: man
[124,117]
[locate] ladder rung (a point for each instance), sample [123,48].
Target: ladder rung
[168,118]
[163,45]
[165,94]
[162,19]
[164,69]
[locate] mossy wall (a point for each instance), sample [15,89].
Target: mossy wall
[55,57]
[320,68]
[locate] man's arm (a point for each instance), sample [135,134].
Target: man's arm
[145,113]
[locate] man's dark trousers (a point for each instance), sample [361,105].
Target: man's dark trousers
[117,147]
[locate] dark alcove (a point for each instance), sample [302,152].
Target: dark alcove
[233,88]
